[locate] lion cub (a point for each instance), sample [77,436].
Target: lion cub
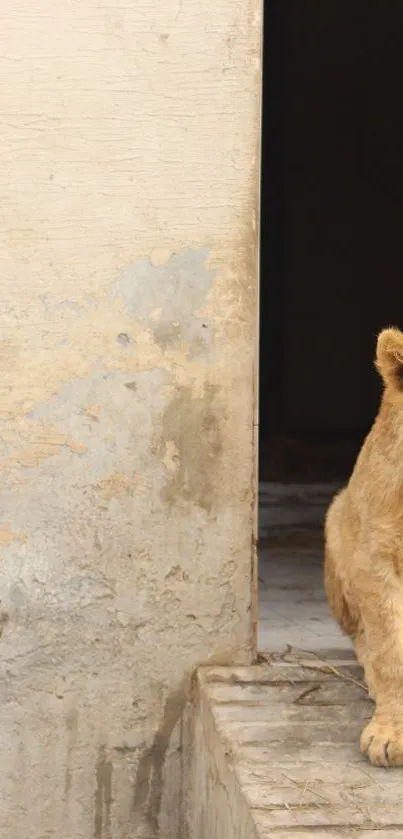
[364,560]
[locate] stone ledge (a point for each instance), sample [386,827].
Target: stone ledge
[276,755]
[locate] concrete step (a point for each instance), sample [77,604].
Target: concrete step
[276,754]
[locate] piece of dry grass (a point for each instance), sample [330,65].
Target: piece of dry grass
[305,787]
[329,667]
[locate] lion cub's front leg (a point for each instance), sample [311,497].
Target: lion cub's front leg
[381,607]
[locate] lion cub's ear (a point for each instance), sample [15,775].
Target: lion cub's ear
[389,357]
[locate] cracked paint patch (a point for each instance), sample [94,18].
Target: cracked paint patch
[116,486]
[30,443]
[7,536]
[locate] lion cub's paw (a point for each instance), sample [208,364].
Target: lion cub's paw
[382,740]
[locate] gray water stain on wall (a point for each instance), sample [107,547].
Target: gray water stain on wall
[193,425]
[167,297]
[103,796]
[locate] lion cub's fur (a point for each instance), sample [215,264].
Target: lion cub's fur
[364,559]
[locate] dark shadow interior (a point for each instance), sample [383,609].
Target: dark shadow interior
[331,228]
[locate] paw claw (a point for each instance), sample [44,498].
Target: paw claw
[382,741]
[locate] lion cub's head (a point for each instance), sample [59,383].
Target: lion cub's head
[389,358]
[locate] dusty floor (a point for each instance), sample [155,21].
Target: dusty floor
[292,606]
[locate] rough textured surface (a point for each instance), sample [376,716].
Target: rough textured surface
[129,183]
[279,747]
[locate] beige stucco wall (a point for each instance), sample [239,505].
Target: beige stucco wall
[128,234]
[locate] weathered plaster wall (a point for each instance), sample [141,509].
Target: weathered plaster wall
[128,194]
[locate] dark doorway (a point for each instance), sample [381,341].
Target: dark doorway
[332,232]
